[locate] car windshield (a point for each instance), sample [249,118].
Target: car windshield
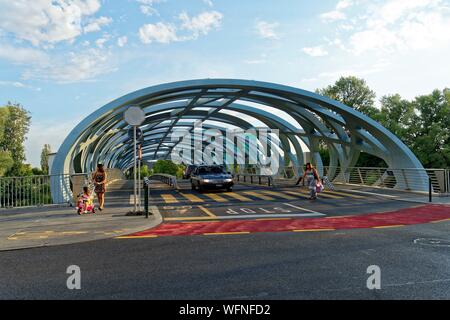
[210,170]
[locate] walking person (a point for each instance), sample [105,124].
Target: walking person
[312,180]
[99,178]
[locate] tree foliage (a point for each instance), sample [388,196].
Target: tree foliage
[422,123]
[14,126]
[46,151]
[354,93]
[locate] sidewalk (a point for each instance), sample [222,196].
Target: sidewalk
[49,226]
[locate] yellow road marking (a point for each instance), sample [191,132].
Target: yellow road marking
[338,217]
[209,213]
[138,237]
[189,218]
[327,194]
[279,194]
[257,195]
[168,198]
[440,221]
[273,219]
[387,227]
[237,196]
[345,194]
[302,193]
[313,230]
[225,233]
[202,221]
[296,193]
[191,197]
[216,197]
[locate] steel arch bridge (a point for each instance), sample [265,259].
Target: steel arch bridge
[304,120]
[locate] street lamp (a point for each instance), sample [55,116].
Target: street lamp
[134,116]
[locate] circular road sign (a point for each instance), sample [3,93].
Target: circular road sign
[134,116]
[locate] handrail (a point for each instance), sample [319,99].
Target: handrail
[269,179]
[165,178]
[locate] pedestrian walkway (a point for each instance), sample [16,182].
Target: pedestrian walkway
[47,226]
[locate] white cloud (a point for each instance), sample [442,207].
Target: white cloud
[18,84]
[338,13]
[167,32]
[318,51]
[267,30]
[148,10]
[147,7]
[208,2]
[160,32]
[202,23]
[45,22]
[122,41]
[403,25]
[332,16]
[344,4]
[101,42]
[97,24]
[73,67]
[22,55]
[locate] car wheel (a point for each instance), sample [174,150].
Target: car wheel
[193,186]
[229,189]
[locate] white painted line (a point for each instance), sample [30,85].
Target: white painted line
[370,193]
[304,209]
[256,216]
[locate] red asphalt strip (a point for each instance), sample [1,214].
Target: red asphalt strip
[409,216]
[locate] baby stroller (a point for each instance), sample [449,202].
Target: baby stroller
[85,202]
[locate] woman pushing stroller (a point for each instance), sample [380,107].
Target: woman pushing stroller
[312,181]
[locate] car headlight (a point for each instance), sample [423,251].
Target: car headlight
[206,181]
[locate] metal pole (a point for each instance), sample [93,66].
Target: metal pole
[134,153]
[139,184]
[430,189]
[146,196]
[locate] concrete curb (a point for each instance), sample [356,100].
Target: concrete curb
[154,220]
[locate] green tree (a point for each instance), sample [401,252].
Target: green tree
[46,151]
[15,125]
[353,92]
[430,137]
[398,116]
[6,162]
[166,167]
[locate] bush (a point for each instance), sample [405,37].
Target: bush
[165,167]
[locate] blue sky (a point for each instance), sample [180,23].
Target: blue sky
[63,59]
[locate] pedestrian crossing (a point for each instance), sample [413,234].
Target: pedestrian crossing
[252,195]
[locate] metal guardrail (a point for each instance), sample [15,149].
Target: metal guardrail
[32,191]
[416,180]
[43,190]
[388,178]
[165,178]
[254,179]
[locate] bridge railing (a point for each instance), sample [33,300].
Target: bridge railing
[43,190]
[254,179]
[408,179]
[168,179]
[32,191]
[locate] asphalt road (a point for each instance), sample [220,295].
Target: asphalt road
[325,265]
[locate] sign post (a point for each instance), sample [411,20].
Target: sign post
[135,116]
[139,174]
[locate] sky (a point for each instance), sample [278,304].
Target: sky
[63,59]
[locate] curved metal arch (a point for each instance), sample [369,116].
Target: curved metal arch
[323,118]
